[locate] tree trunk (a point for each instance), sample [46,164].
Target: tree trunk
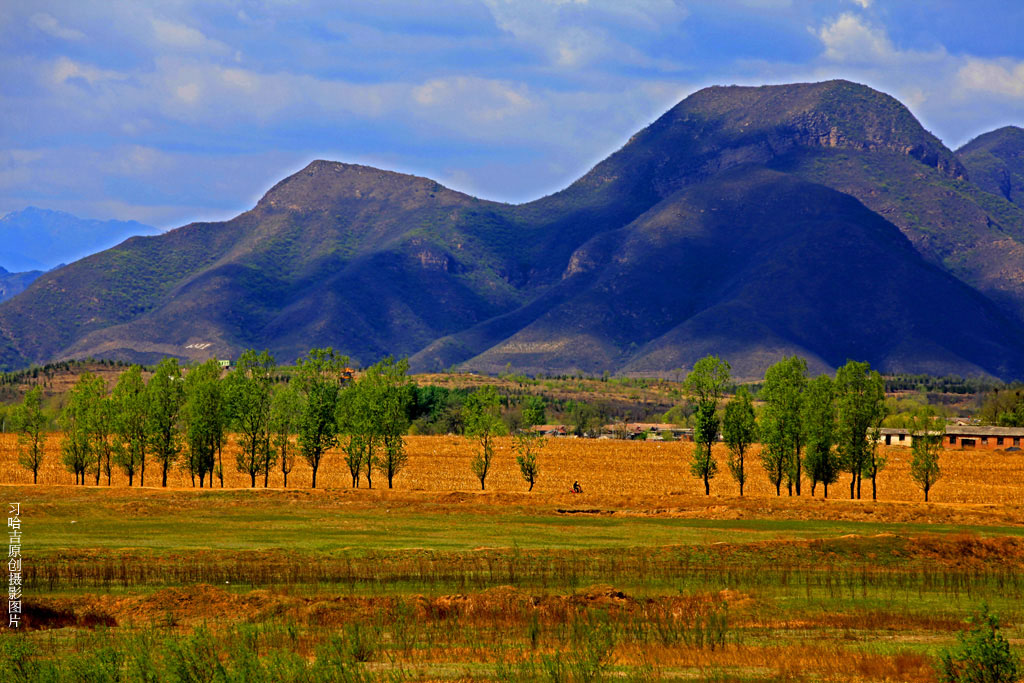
[164,480]
[35,477]
[926,494]
[799,471]
[874,490]
[266,477]
[825,484]
[778,488]
[741,489]
[252,476]
[707,486]
[858,485]
[853,484]
[99,468]
[314,478]
[220,465]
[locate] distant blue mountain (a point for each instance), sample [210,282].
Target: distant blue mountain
[15,283]
[40,239]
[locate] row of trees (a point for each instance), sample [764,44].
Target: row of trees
[183,420]
[810,429]
[814,429]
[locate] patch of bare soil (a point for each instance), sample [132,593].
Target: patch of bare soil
[186,607]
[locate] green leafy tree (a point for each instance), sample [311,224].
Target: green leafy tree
[982,654]
[818,421]
[739,429]
[204,416]
[527,444]
[285,410]
[706,383]
[30,424]
[534,411]
[926,434]
[319,377]
[390,395]
[249,387]
[353,427]
[129,401]
[482,418]
[780,429]
[860,401]
[76,420]
[1004,408]
[877,460]
[166,394]
[586,418]
[102,430]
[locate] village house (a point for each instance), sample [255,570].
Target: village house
[992,438]
[960,437]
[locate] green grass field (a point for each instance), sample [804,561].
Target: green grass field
[300,585]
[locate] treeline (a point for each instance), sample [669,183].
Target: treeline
[947,384]
[183,420]
[48,371]
[810,430]
[1004,407]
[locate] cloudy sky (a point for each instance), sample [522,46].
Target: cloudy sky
[167,112]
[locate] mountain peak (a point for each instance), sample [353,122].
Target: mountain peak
[722,127]
[836,113]
[996,162]
[322,184]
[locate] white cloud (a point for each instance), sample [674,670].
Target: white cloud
[65,69]
[48,24]
[188,93]
[480,100]
[184,37]
[577,33]
[864,4]
[849,39]
[998,77]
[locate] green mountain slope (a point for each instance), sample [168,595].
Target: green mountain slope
[995,162]
[753,265]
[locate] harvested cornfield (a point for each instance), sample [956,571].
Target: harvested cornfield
[603,467]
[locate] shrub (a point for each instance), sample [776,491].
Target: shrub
[982,654]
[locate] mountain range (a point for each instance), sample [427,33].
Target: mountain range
[15,283]
[42,239]
[752,222]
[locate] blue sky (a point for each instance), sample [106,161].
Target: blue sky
[168,112]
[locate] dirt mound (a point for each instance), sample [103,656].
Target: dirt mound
[968,550]
[601,595]
[173,606]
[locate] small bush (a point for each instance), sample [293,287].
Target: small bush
[982,654]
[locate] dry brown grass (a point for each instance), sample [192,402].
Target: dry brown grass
[604,468]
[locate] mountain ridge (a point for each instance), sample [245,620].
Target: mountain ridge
[602,275]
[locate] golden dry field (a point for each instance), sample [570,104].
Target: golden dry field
[603,467]
[642,577]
